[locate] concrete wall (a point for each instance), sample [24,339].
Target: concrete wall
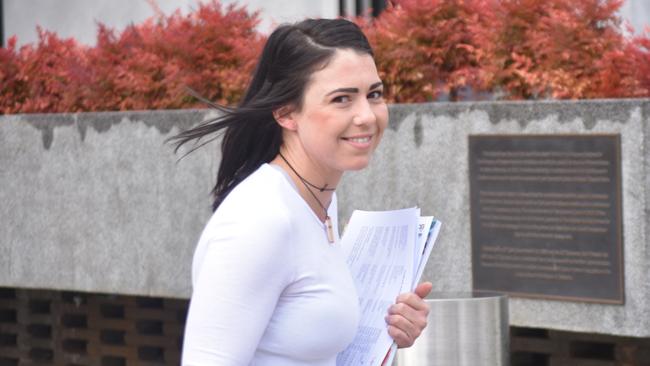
[98,202]
[424,161]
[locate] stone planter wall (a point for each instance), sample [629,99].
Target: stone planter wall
[98,202]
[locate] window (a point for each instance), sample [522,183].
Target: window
[351,8]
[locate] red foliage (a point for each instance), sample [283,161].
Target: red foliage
[428,48]
[11,88]
[511,49]
[147,66]
[38,78]
[560,49]
[425,50]
[639,49]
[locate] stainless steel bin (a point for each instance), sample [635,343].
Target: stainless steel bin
[464,329]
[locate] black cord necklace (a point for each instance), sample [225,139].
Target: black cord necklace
[305,181]
[328,222]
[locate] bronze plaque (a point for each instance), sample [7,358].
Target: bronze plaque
[546,216]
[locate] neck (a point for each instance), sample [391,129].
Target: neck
[301,168]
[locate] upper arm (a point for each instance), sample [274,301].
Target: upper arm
[242,275]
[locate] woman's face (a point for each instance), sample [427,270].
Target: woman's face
[343,115]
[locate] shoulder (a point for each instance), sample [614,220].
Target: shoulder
[264,195]
[259,207]
[252,227]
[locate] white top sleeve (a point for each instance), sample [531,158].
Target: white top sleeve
[268,288]
[236,288]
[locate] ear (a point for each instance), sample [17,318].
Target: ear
[284,117]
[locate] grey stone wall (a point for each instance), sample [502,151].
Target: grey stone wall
[98,202]
[424,161]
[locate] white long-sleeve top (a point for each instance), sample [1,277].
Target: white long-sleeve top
[268,288]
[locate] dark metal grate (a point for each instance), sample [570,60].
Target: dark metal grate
[40,327]
[544,347]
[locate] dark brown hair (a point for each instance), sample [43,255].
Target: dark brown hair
[251,136]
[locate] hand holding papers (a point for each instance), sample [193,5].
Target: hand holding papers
[386,254]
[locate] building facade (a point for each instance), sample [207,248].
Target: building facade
[79,18]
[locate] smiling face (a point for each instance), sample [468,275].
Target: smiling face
[342,117]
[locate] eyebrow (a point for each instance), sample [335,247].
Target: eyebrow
[354,90]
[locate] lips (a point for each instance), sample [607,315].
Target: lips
[360,141]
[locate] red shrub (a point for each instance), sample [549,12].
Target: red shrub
[513,49]
[425,50]
[559,49]
[41,78]
[147,66]
[11,88]
[639,49]
[428,48]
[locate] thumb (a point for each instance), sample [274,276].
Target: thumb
[423,289]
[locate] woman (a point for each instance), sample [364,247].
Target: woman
[270,284]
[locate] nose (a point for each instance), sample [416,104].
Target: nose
[364,113]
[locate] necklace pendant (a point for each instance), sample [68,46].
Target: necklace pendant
[329,229]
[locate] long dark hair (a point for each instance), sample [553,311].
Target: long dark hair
[251,135]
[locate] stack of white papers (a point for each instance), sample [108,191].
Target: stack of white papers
[386,252]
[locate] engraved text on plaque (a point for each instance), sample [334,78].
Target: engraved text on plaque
[546,216]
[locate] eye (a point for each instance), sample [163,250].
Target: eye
[341,99]
[376,94]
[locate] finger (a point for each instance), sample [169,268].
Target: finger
[423,289]
[406,318]
[413,326]
[413,300]
[400,337]
[407,312]
[409,328]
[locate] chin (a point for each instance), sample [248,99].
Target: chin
[358,164]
